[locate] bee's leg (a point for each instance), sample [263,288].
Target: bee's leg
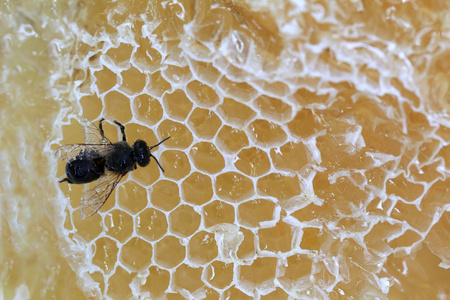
[122,129]
[100,126]
[65,179]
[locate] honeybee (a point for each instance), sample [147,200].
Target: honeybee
[99,159]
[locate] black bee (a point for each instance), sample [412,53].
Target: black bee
[100,159]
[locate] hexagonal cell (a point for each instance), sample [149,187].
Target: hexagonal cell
[188,278]
[165,195]
[136,254]
[177,75]
[252,212]
[204,123]
[119,225]
[132,197]
[158,85]
[133,81]
[202,94]
[237,90]
[89,228]
[146,57]
[305,124]
[234,187]
[217,212]
[105,80]
[231,140]
[121,55]
[184,221]
[290,157]
[197,188]
[207,158]
[279,186]
[105,256]
[311,239]
[253,162]
[169,252]
[92,106]
[117,107]
[219,274]
[151,224]
[180,135]
[277,238]
[157,282]
[147,109]
[202,248]
[119,284]
[177,105]
[260,273]
[296,267]
[273,108]
[235,113]
[266,134]
[176,164]
[247,247]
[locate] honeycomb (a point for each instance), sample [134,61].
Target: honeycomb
[309,150]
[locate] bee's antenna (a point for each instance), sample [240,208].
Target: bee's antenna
[151,155]
[150,148]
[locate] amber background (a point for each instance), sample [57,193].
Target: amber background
[344,78]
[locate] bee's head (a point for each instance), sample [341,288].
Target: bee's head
[142,153]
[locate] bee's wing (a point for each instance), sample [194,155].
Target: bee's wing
[93,199]
[68,152]
[92,134]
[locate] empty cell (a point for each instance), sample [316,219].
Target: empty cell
[180,135]
[207,158]
[133,81]
[234,187]
[92,106]
[136,254]
[238,90]
[260,273]
[235,113]
[89,228]
[253,162]
[311,239]
[147,58]
[176,164]
[177,75]
[105,256]
[132,197]
[202,94]
[119,225]
[169,252]
[217,212]
[121,55]
[204,71]
[305,97]
[105,79]
[231,140]
[188,278]
[204,123]
[403,188]
[165,195]
[197,188]
[177,105]
[184,221]
[202,248]
[276,239]
[304,124]
[266,134]
[273,108]
[290,157]
[296,267]
[251,213]
[117,107]
[157,282]
[119,284]
[151,224]
[219,274]
[147,109]
[158,85]
[279,186]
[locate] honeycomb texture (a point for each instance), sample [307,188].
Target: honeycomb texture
[295,167]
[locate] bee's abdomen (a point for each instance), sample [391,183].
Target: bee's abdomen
[85,170]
